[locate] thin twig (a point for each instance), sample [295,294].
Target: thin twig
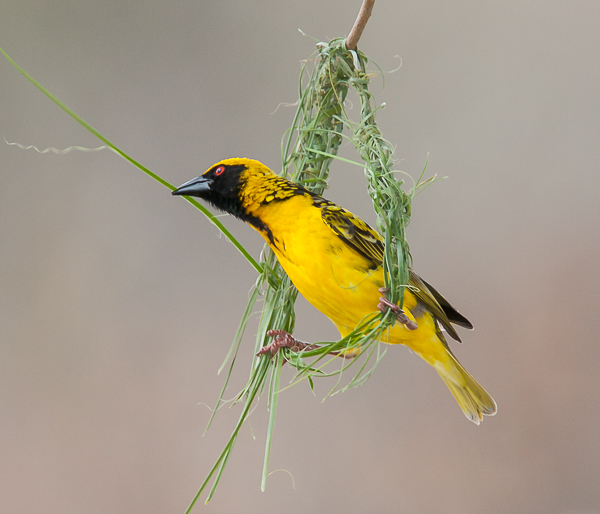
[359,25]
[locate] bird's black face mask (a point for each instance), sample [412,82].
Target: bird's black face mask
[219,186]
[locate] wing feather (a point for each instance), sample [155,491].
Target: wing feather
[368,243]
[353,232]
[425,295]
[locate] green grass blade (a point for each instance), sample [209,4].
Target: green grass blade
[219,466]
[212,218]
[235,346]
[275,380]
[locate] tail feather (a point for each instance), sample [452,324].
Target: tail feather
[473,399]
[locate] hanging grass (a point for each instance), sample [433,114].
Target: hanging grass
[308,149]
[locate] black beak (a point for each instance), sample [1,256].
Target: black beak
[194,187]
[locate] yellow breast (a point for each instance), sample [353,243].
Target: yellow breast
[331,276]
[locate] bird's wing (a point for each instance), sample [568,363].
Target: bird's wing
[366,242]
[353,232]
[453,315]
[442,310]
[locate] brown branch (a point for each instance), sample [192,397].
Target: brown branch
[359,25]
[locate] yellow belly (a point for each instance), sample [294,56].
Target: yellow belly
[335,279]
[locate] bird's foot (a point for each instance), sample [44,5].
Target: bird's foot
[384,305]
[284,339]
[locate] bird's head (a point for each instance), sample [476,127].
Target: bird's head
[224,184]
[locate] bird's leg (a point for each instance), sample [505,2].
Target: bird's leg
[384,305]
[285,340]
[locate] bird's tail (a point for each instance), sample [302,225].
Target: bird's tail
[473,399]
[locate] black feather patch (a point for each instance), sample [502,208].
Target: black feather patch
[353,231]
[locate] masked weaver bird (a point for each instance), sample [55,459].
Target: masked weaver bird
[335,260]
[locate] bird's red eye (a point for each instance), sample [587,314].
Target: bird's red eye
[219,170]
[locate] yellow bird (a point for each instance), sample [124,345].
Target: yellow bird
[335,260]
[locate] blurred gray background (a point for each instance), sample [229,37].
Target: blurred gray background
[118,302]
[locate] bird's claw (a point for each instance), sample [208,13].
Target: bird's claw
[283,339]
[384,305]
